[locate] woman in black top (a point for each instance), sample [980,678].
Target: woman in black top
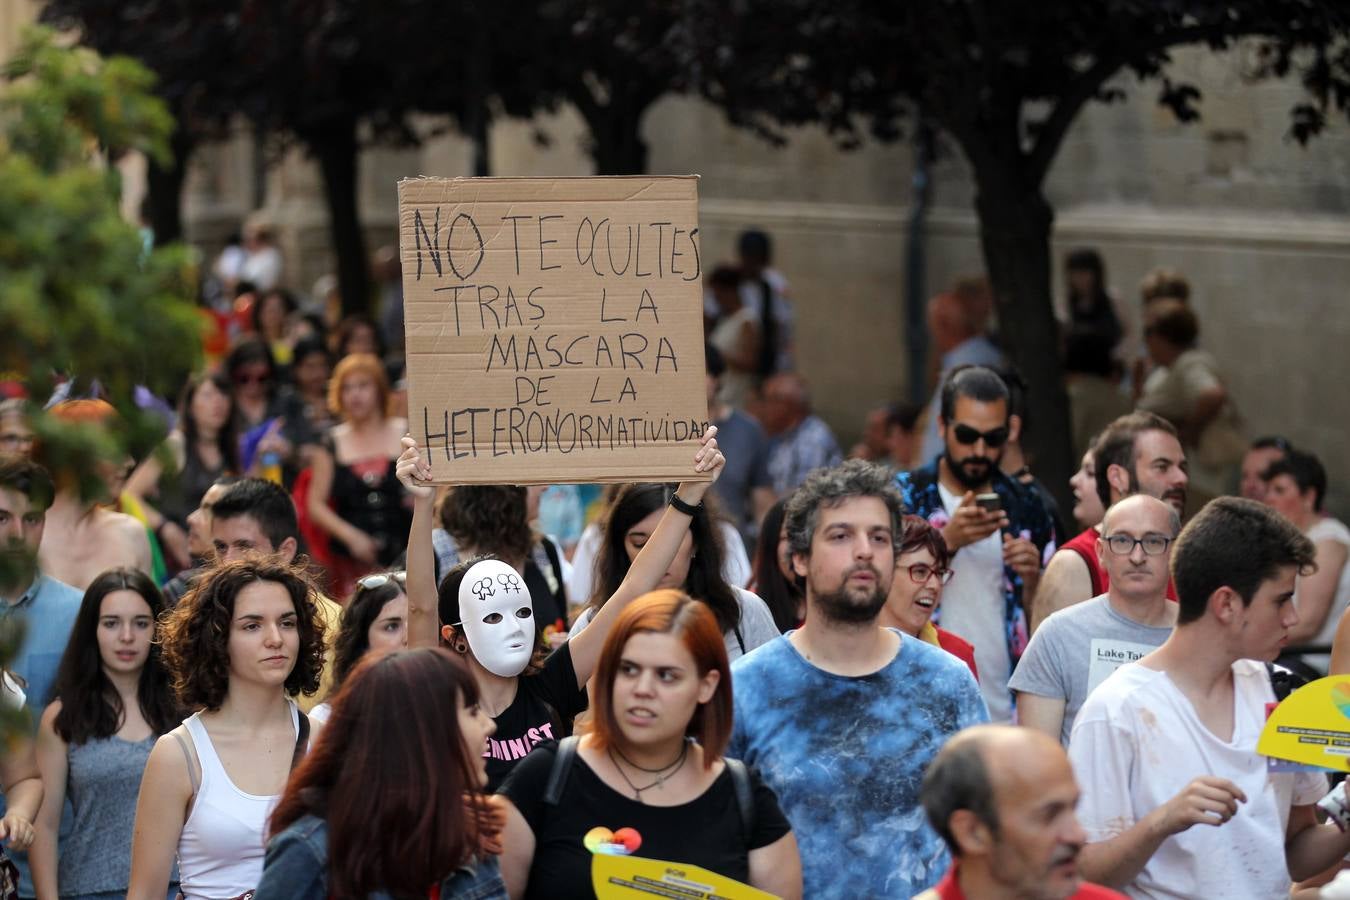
[530,701]
[649,779]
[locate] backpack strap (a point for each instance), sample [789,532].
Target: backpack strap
[562,767]
[745,797]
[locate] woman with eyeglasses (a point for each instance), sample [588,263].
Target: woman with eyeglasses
[112,702]
[375,618]
[258,412]
[922,569]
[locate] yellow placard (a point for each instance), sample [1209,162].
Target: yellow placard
[1312,726]
[629,877]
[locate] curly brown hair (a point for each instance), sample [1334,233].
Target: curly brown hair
[195,636]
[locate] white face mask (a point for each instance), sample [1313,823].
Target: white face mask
[496,617]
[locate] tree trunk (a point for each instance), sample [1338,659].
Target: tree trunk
[1015,224]
[164,190]
[616,140]
[336,150]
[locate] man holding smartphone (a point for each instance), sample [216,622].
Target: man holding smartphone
[997,530]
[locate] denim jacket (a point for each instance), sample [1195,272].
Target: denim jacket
[296,868]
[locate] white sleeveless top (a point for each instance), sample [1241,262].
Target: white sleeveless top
[220,851]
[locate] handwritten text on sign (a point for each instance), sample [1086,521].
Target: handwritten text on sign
[554,327]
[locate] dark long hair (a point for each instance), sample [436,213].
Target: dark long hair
[398,790]
[91,708]
[226,440]
[705,581]
[783,597]
[361,611]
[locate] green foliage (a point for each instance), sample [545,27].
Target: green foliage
[82,295]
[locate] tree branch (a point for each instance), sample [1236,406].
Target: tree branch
[1083,88]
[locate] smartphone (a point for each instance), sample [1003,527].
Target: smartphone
[989,502]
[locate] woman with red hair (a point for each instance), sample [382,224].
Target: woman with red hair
[389,803]
[369,513]
[651,769]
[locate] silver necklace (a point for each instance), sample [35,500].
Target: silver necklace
[660,779]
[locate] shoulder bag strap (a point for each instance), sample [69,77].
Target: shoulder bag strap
[745,798]
[562,767]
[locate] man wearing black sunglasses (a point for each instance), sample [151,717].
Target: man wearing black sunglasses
[997,546]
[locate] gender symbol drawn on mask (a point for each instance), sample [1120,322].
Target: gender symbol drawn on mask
[509,581]
[482,589]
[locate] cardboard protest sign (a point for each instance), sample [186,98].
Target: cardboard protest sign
[554,327]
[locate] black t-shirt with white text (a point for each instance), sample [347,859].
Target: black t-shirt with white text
[707,831]
[545,704]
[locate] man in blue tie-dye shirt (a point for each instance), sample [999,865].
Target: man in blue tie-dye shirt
[841,716]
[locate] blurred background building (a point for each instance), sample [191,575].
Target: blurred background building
[1257,223]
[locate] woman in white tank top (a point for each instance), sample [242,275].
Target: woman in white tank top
[242,643]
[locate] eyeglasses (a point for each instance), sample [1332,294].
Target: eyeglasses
[994,437]
[919,573]
[1123,544]
[243,378]
[380,579]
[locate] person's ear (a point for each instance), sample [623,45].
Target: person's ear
[971,834]
[1119,479]
[799,561]
[1226,605]
[288,549]
[453,639]
[1014,428]
[708,686]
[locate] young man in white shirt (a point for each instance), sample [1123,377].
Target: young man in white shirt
[1177,801]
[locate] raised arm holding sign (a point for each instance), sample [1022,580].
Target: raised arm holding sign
[528,706]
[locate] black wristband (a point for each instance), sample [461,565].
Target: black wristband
[689,509]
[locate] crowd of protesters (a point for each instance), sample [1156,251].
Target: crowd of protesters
[271,660]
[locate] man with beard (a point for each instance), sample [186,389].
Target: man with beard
[46,607]
[997,546]
[1077,648]
[1138,453]
[1003,799]
[841,717]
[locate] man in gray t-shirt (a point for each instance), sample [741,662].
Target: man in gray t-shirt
[1075,649]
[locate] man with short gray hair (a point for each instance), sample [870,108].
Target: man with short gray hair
[841,716]
[1078,647]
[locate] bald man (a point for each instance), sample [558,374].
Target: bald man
[1077,648]
[1003,799]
